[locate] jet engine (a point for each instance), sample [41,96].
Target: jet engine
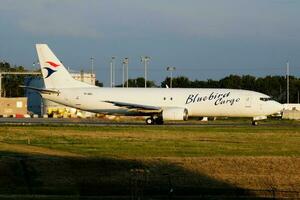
[175,114]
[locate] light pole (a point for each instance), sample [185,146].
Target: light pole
[171,69]
[145,60]
[111,74]
[288,82]
[112,71]
[92,65]
[125,65]
[123,75]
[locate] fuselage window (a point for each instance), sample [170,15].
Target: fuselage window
[88,93]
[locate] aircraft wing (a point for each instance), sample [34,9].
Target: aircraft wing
[138,107]
[41,90]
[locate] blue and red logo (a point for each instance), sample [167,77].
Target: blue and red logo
[50,70]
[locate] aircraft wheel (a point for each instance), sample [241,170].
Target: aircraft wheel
[254,123]
[149,121]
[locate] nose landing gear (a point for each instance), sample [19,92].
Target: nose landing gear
[256,119]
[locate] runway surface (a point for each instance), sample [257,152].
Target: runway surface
[103,122]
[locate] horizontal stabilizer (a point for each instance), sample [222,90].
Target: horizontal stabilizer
[41,90]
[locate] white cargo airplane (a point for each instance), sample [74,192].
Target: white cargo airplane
[158,104]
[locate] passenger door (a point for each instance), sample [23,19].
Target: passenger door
[248,102]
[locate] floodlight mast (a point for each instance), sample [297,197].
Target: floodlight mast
[123,73]
[112,71]
[125,67]
[288,82]
[125,62]
[171,69]
[92,65]
[145,60]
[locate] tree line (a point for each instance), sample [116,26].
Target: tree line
[275,86]
[10,83]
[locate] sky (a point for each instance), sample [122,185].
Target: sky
[203,39]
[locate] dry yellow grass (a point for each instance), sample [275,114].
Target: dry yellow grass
[260,158]
[249,172]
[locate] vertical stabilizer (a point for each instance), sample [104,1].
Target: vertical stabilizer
[54,73]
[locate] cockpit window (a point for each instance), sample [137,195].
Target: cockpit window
[266,99]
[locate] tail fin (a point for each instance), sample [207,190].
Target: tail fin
[55,75]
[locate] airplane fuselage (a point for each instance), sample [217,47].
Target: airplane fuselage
[198,102]
[160,104]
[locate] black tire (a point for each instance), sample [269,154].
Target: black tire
[254,123]
[149,121]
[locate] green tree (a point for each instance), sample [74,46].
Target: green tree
[232,81]
[139,82]
[177,82]
[248,82]
[10,83]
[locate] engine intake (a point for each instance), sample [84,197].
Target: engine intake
[175,114]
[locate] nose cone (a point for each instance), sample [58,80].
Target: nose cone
[276,107]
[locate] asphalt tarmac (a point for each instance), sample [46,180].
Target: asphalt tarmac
[104,122]
[67,121]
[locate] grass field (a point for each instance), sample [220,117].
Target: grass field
[73,160]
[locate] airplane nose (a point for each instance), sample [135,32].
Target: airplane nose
[278,107]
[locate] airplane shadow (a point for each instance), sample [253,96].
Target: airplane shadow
[30,174]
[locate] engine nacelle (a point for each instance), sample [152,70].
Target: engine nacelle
[175,114]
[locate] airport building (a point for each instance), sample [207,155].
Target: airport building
[13,106]
[37,105]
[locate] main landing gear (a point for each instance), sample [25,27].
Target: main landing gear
[154,120]
[149,121]
[255,123]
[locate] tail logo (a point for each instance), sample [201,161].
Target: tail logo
[53,64]
[49,70]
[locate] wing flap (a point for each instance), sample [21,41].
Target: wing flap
[139,107]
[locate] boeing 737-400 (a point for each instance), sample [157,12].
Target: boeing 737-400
[157,104]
